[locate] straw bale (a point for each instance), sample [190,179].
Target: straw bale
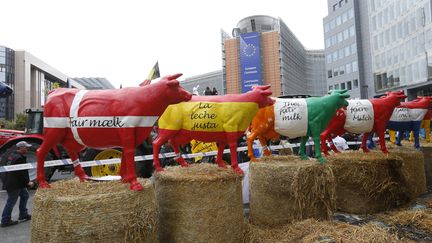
[311,230]
[284,189]
[200,203]
[367,182]
[94,212]
[427,152]
[412,171]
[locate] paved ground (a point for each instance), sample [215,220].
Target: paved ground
[20,233]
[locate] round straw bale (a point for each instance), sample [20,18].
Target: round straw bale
[412,171]
[367,182]
[200,203]
[284,189]
[72,211]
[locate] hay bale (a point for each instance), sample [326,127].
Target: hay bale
[311,230]
[284,189]
[367,182]
[412,170]
[94,212]
[200,203]
[427,153]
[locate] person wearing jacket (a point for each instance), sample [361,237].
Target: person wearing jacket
[16,183]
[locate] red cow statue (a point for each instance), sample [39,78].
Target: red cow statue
[376,118]
[221,119]
[105,119]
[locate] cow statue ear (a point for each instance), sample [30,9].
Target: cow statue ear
[173,83]
[174,76]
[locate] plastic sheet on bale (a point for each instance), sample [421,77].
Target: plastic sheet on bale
[412,171]
[200,203]
[284,189]
[94,212]
[367,182]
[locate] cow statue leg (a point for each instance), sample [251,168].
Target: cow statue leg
[380,130]
[178,156]
[416,131]
[157,143]
[399,138]
[266,149]
[302,149]
[364,142]
[78,170]
[219,161]
[317,146]
[250,140]
[51,138]
[233,152]
[426,127]
[392,134]
[128,161]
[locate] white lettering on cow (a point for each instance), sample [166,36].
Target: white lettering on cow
[100,121]
[359,116]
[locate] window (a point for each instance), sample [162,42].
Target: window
[342,70]
[330,87]
[351,31]
[329,58]
[341,53]
[253,24]
[338,20]
[347,51]
[342,85]
[349,86]
[344,17]
[354,66]
[336,72]
[334,7]
[336,86]
[348,68]
[355,81]
[329,73]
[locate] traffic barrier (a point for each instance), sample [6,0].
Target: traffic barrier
[60,162]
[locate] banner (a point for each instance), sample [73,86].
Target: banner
[250,59]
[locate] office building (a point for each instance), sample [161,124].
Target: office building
[347,48]
[263,50]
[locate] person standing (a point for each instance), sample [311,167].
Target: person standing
[214,92]
[16,183]
[208,91]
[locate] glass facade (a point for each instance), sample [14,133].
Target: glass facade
[342,59]
[7,75]
[401,39]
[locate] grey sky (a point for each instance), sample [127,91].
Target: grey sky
[121,40]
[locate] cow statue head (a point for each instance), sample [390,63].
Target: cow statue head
[263,95]
[340,97]
[400,94]
[173,92]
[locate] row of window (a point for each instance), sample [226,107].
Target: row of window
[412,73]
[393,10]
[340,19]
[339,37]
[348,85]
[407,50]
[341,53]
[396,33]
[341,70]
